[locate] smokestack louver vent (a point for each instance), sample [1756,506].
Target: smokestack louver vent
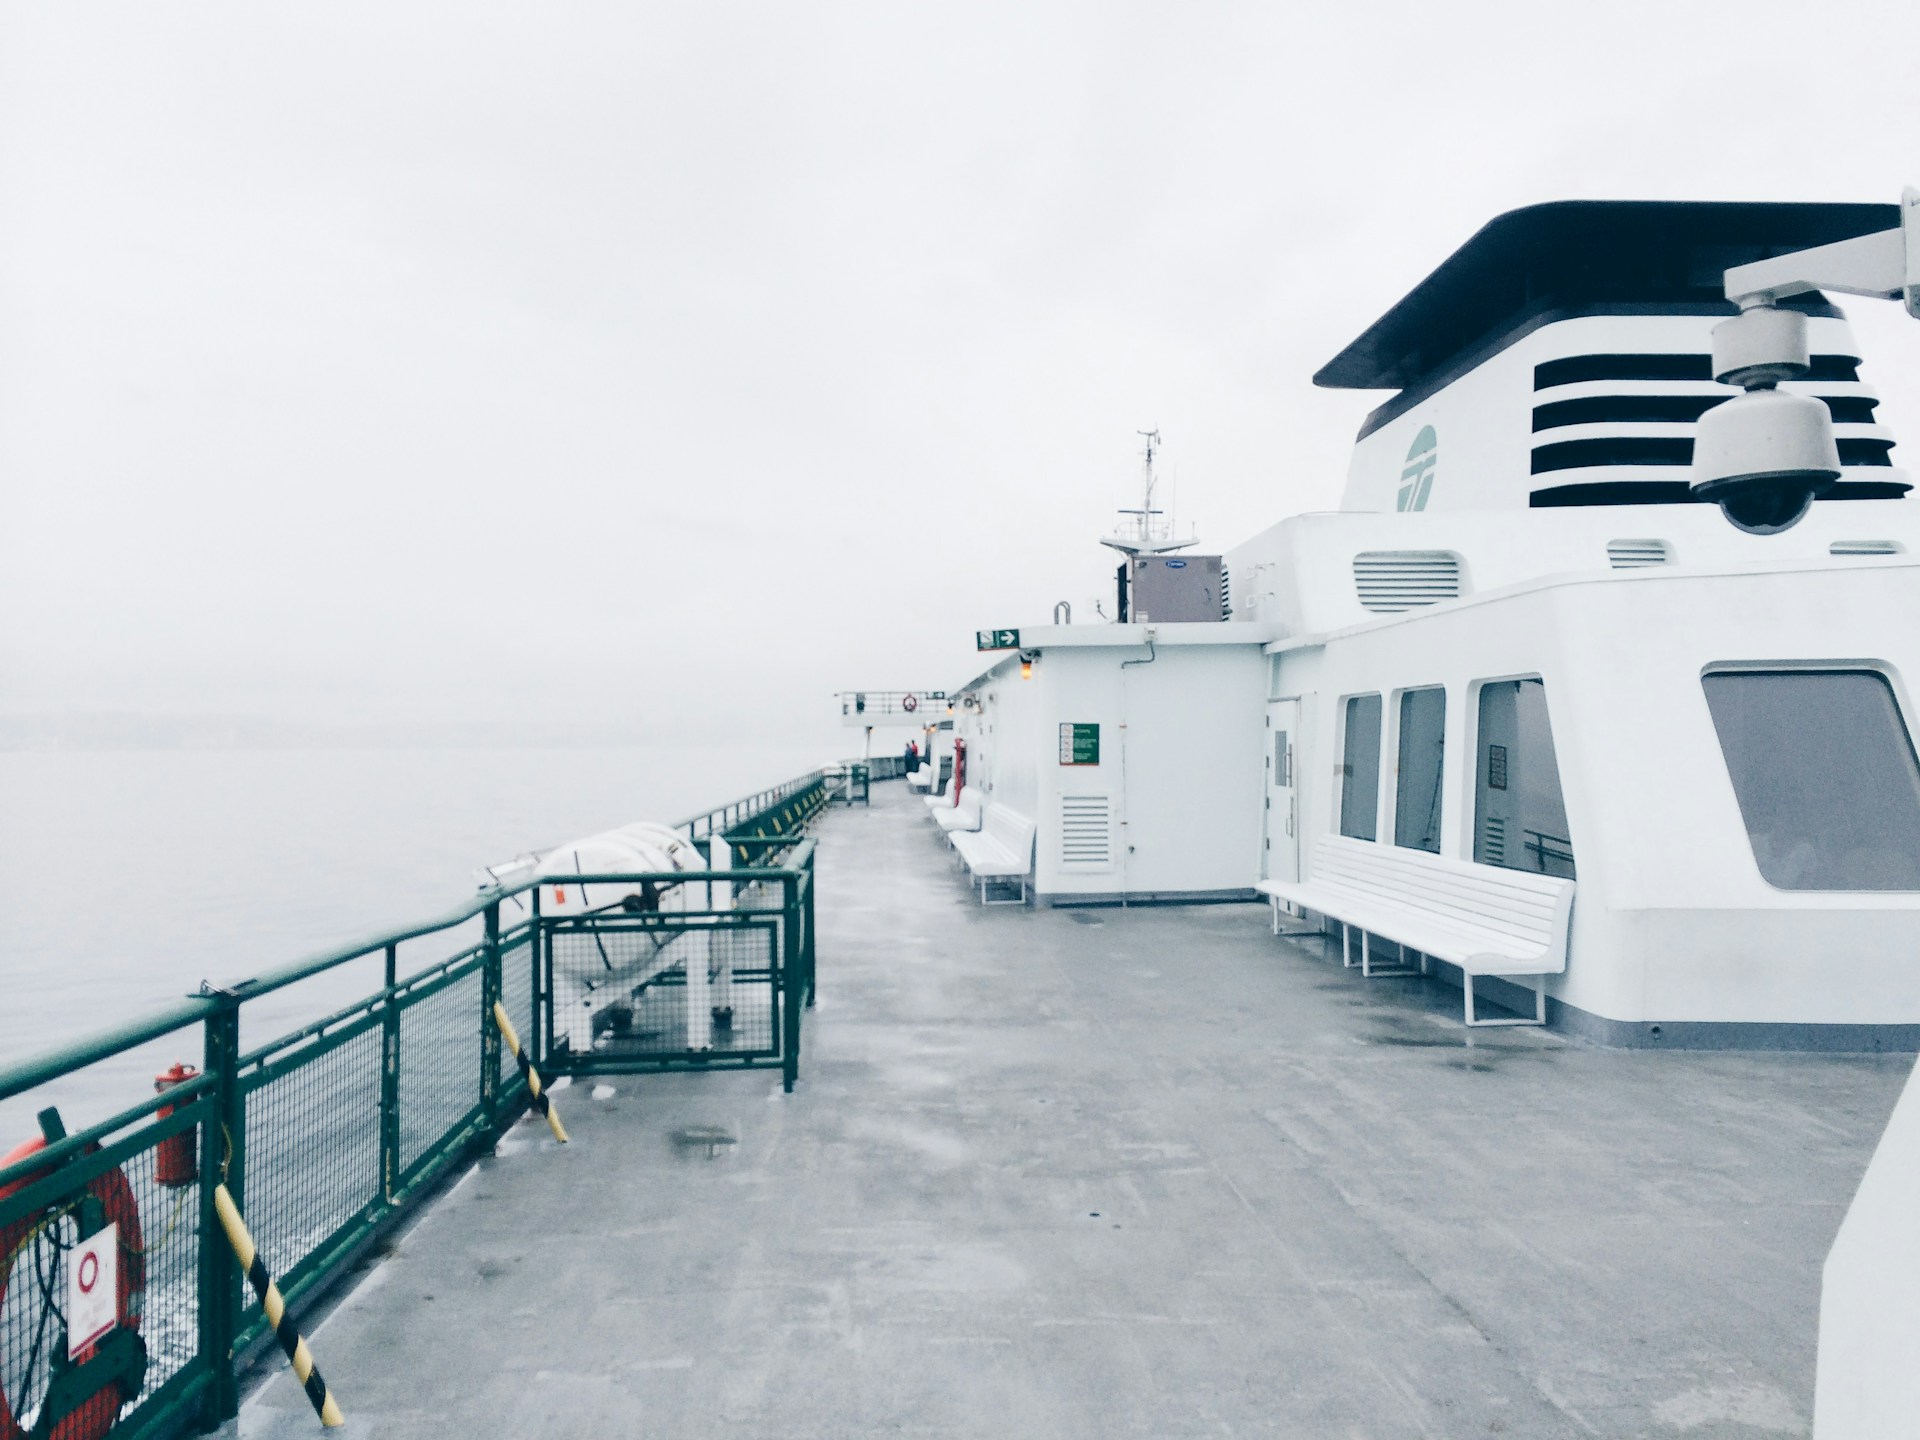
[1583,369]
[1390,581]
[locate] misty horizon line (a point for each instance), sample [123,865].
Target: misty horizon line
[143,730]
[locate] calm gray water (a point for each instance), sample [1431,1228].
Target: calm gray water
[132,875]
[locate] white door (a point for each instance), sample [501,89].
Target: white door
[1280,853]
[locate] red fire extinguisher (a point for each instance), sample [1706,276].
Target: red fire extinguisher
[173,1159]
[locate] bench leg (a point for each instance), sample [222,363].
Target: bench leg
[1346,948]
[1274,902]
[1539,1006]
[1372,972]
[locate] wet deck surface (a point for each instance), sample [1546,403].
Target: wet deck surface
[1123,1173]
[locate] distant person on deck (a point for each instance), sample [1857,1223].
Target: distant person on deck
[913,756]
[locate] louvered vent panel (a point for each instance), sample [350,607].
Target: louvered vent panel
[1394,580]
[1637,554]
[1226,592]
[1086,832]
[1865,547]
[1493,841]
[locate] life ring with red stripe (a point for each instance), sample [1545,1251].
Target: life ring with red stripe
[910,704]
[92,1416]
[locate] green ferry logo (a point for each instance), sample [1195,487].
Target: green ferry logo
[1416,481]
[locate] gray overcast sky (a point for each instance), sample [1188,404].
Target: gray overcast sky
[687,362]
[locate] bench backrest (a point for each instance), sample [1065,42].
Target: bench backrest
[1011,829]
[969,803]
[1528,906]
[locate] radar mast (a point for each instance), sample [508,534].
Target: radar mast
[1147,530]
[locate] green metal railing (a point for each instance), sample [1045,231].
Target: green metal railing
[850,782]
[326,1135]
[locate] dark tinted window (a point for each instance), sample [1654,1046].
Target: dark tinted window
[1825,774]
[1423,755]
[1360,769]
[1519,819]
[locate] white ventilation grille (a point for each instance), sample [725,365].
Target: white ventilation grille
[1493,841]
[1637,554]
[1086,832]
[1867,547]
[1394,580]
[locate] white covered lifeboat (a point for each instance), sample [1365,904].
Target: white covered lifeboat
[642,848]
[599,972]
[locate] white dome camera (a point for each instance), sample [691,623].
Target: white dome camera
[1765,456]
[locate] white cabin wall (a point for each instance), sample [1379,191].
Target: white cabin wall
[1682,889]
[1081,689]
[1013,711]
[1181,747]
[1672,920]
[1299,573]
[1193,753]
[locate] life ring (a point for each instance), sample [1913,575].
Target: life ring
[95,1414]
[909,704]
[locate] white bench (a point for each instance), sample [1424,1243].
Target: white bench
[962,815]
[922,778]
[1001,849]
[940,798]
[1485,919]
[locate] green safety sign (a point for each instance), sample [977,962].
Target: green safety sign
[996,639]
[1079,744]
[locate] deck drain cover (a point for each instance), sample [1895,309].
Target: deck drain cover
[703,1137]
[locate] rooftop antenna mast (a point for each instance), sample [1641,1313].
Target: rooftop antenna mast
[1147,530]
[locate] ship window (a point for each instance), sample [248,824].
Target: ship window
[1360,769]
[1824,770]
[1423,752]
[1519,817]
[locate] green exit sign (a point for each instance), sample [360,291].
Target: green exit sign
[1079,744]
[996,639]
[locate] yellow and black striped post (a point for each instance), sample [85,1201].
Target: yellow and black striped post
[531,1075]
[291,1339]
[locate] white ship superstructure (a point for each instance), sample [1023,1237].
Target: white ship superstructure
[1522,644]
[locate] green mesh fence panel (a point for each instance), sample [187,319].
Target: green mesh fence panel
[516,993]
[439,1065]
[313,1150]
[620,992]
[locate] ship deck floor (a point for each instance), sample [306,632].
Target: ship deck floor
[1143,1172]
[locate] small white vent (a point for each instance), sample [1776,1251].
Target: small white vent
[1637,554]
[1086,832]
[1394,580]
[1867,547]
[1493,841]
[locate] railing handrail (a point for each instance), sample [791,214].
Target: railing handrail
[103,1044]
